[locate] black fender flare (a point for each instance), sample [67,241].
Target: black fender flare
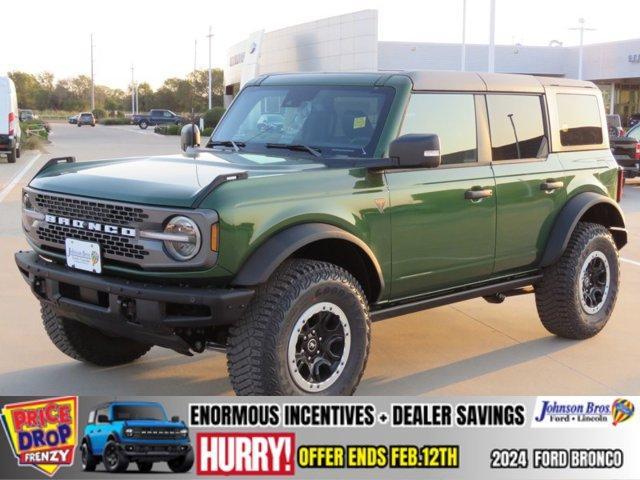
[569,217]
[86,439]
[267,257]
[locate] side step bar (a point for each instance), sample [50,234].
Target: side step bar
[432,302]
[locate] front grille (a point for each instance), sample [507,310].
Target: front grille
[114,245]
[102,212]
[153,433]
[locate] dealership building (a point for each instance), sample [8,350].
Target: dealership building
[350,43]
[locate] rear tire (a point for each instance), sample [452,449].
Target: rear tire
[18,152]
[576,296]
[87,344]
[143,125]
[113,459]
[11,156]
[145,467]
[306,332]
[89,460]
[182,464]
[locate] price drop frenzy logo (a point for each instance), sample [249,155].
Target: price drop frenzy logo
[42,433]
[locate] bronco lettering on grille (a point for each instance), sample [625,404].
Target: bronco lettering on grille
[94,226]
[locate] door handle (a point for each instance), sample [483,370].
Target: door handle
[478,194]
[550,185]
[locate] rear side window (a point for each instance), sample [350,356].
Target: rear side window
[579,119]
[452,117]
[517,127]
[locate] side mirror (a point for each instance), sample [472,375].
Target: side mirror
[416,150]
[175,419]
[103,419]
[189,136]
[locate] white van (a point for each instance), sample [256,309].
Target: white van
[9,123]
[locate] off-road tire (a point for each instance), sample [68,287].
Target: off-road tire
[11,156]
[18,152]
[84,343]
[122,462]
[182,464]
[143,125]
[258,344]
[558,295]
[145,467]
[89,460]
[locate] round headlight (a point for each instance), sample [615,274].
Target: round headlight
[184,432]
[26,202]
[129,432]
[187,238]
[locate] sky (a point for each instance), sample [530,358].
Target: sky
[158,36]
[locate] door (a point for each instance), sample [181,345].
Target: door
[530,183]
[443,219]
[100,432]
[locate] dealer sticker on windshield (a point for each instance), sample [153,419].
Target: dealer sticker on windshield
[83,255]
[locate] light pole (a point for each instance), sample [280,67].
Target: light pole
[133,94]
[93,90]
[463,52]
[582,29]
[209,91]
[491,60]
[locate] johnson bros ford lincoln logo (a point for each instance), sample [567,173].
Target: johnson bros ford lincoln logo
[42,433]
[576,412]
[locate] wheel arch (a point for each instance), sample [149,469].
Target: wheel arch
[316,241]
[584,207]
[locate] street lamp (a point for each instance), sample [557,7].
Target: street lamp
[209,91]
[581,29]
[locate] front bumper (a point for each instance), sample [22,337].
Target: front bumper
[149,313]
[153,452]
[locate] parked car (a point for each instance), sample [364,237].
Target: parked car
[626,151]
[86,118]
[634,119]
[10,133]
[614,126]
[281,247]
[119,433]
[73,119]
[157,117]
[26,115]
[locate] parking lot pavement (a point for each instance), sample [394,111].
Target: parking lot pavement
[473,348]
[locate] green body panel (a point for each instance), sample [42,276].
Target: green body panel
[439,238]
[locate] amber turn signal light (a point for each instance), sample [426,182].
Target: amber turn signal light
[215,237]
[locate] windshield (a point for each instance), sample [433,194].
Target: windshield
[335,121]
[138,412]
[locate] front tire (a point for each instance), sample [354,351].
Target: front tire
[113,459]
[89,460]
[145,467]
[11,156]
[306,332]
[143,125]
[576,296]
[84,343]
[182,464]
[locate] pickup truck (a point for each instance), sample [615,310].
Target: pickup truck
[157,117]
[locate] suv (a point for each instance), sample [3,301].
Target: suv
[86,118]
[118,433]
[157,117]
[382,194]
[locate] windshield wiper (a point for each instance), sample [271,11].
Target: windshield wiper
[228,143]
[296,147]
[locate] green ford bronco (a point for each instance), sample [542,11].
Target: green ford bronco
[323,202]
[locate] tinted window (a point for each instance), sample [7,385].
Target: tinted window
[452,117]
[517,128]
[579,119]
[102,411]
[137,412]
[338,121]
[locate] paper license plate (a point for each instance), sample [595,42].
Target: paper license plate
[83,255]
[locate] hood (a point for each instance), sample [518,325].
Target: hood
[174,181]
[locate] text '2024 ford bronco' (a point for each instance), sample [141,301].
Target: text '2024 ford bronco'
[363,196]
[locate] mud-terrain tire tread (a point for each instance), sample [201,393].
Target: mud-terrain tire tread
[92,460]
[87,344]
[557,293]
[252,368]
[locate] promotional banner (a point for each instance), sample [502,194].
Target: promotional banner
[380,437]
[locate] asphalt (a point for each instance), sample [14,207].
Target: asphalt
[469,348]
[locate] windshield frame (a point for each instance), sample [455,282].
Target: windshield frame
[327,151]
